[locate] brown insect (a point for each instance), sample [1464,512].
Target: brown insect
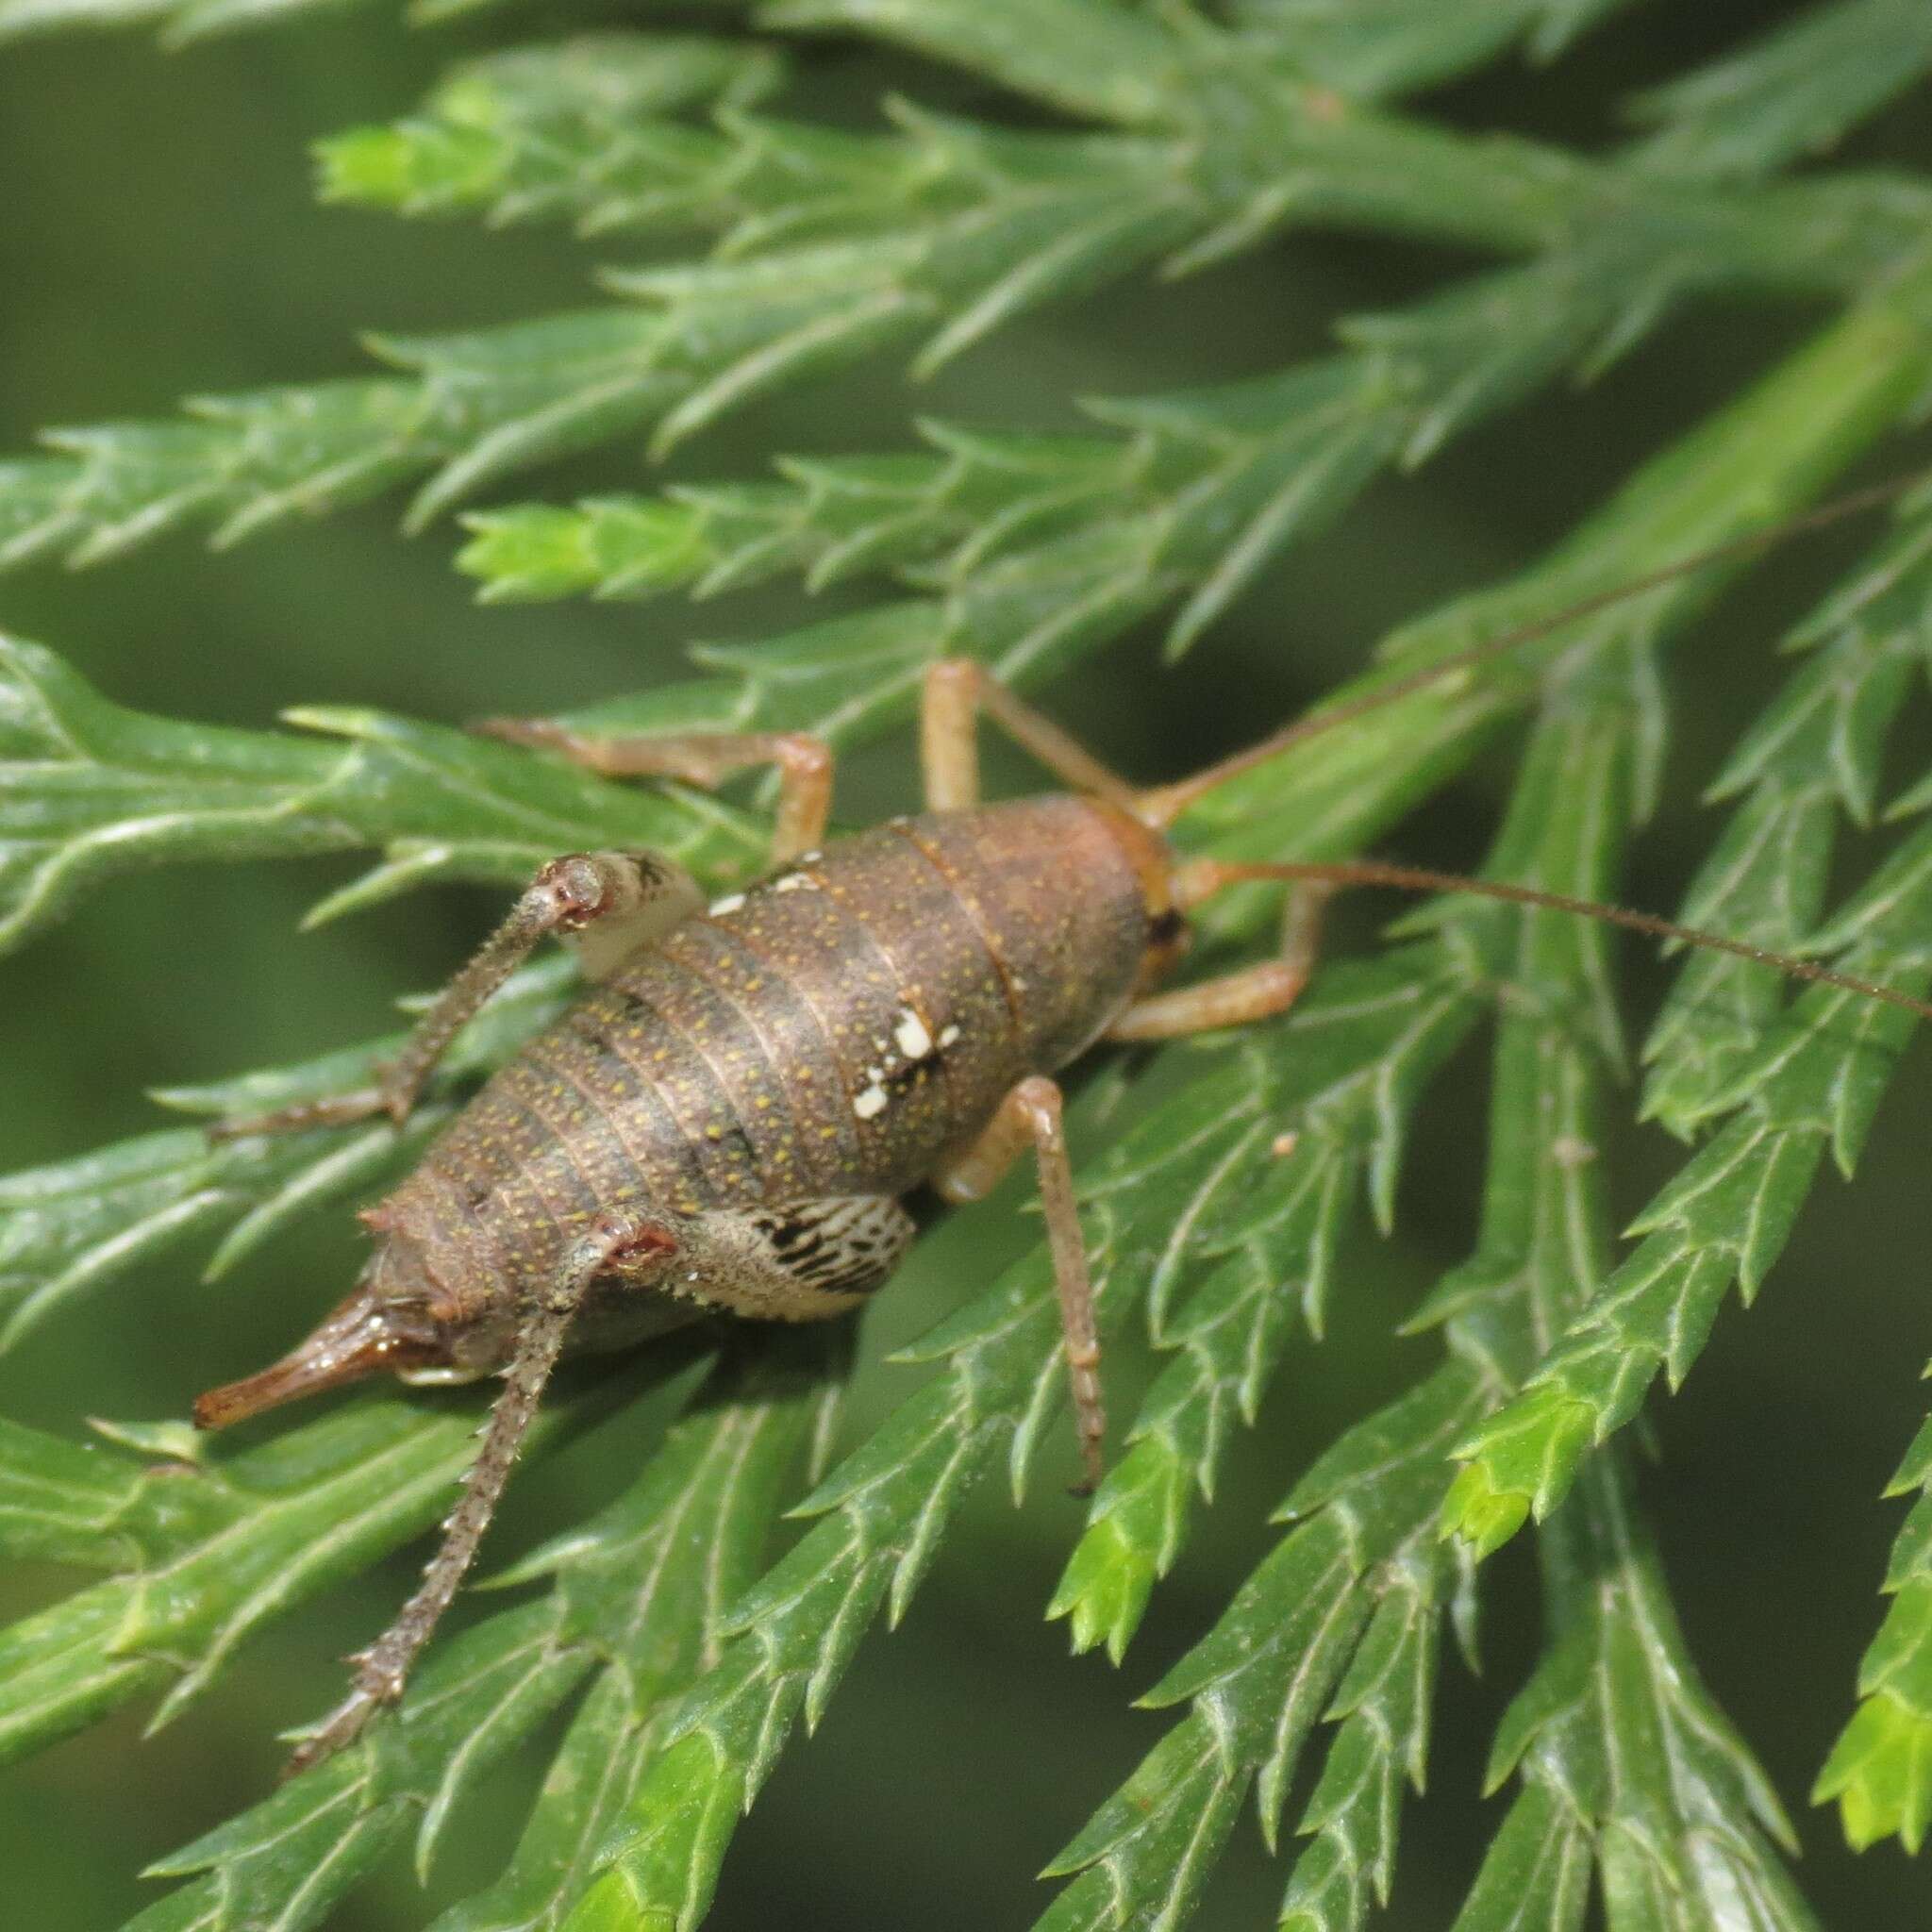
[728,1119]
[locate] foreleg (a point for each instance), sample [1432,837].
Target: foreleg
[956,691]
[1233,999]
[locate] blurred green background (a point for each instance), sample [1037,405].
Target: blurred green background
[160,240]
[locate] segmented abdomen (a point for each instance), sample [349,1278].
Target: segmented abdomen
[836,1029]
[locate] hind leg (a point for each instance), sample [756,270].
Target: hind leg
[623,1243]
[610,902]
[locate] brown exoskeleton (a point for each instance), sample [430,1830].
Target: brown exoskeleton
[728,1119]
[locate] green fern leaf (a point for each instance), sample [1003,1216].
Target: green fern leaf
[94,789]
[238,1540]
[1085,146]
[1880,1769]
[1793,94]
[1814,1085]
[634,1604]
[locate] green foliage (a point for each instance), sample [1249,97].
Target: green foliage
[1789,1086]
[212,1549]
[1221,1182]
[836,245]
[1792,93]
[531,132]
[1880,1770]
[182,21]
[635,1600]
[1343,1619]
[93,790]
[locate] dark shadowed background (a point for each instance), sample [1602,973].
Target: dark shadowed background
[161,239]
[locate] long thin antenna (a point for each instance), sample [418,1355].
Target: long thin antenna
[1162,805]
[1201,877]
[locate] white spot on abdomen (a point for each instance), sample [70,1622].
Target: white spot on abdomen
[910,1036]
[869,1101]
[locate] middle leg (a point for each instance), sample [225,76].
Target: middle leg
[1032,1113]
[703,759]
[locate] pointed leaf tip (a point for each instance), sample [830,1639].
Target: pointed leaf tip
[1103,1591]
[1880,1772]
[1478,1514]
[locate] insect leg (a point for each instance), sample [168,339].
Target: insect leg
[1252,992]
[956,691]
[614,900]
[705,759]
[1031,1112]
[790,1260]
[617,1241]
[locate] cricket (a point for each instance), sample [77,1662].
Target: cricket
[729,1119]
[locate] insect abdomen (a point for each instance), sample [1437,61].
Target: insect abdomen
[835,1030]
